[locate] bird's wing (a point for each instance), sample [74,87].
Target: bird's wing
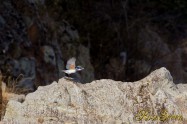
[71,63]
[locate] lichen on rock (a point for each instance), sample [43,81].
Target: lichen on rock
[103,101]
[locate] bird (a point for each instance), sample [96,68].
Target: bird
[71,68]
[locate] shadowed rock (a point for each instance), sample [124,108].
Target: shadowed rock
[103,102]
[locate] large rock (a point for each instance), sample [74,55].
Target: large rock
[37,46]
[84,60]
[154,52]
[103,101]
[25,68]
[49,55]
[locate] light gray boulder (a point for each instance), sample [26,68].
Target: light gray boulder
[103,102]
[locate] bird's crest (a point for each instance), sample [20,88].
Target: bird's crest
[71,63]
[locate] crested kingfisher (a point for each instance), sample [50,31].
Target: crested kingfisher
[71,68]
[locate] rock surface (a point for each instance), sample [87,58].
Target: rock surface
[42,35]
[158,54]
[103,102]
[35,45]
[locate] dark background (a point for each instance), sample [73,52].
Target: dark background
[117,39]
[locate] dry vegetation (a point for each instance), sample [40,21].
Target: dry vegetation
[9,91]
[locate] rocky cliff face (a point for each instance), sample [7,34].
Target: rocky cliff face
[154,99]
[36,46]
[113,38]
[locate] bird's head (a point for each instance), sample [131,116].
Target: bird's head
[79,68]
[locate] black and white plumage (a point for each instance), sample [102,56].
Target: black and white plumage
[71,68]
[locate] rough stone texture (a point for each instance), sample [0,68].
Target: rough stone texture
[49,55]
[159,54]
[101,101]
[25,68]
[35,45]
[84,60]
